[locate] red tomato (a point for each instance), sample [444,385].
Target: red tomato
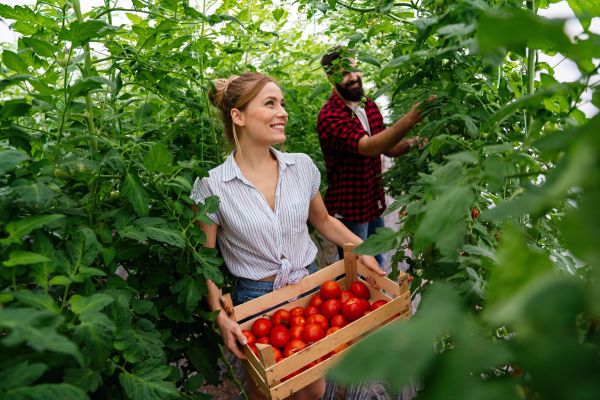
[310,310]
[474,213]
[293,346]
[279,336]
[339,321]
[330,290]
[254,349]
[365,305]
[296,332]
[250,338]
[360,290]
[297,320]
[316,300]
[281,317]
[318,319]
[297,311]
[291,375]
[261,327]
[377,304]
[346,295]
[331,330]
[263,340]
[312,332]
[330,308]
[353,309]
[278,354]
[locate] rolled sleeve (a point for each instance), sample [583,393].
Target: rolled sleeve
[200,191]
[316,180]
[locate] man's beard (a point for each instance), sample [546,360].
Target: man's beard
[354,94]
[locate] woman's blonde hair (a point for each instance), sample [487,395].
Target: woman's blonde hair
[236,92]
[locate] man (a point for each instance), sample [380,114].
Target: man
[353,138]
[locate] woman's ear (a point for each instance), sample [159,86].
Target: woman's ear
[237,117]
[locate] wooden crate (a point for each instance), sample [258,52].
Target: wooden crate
[266,373]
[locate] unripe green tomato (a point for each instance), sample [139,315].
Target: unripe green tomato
[61,174]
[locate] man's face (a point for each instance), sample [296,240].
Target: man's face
[349,84]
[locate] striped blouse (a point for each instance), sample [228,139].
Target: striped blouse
[255,241]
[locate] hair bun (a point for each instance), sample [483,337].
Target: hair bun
[217,94]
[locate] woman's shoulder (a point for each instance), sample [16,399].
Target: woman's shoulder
[300,158]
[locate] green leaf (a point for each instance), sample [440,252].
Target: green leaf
[85,379]
[47,391]
[209,264]
[133,190]
[444,224]
[10,159]
[13,80]
[95,333]
[19,257]
[37,329]
[15,108]
[22,374]
[38,300]
[384,239]
[18,229]
[148,382]
[165,235]
[140,342]
[278,13]
[81,305]
[82,249]
[517,29]
[80,33]
[158,158]
[41,47]
[189,295]
[14,61]
[86,85]
[518,264]
[585,10]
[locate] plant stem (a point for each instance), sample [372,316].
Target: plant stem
[531,62]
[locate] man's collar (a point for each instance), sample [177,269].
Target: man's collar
[232,170]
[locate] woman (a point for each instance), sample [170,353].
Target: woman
[266,198]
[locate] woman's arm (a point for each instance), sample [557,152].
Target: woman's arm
[230,330]
[336,232]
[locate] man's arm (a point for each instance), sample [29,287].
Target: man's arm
[389,139]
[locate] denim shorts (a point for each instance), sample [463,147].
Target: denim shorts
[247,289]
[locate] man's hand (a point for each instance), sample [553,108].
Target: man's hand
[417,109]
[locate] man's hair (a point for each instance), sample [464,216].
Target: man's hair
[333,57]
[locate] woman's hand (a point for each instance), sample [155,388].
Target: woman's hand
[232,335]
[372,265]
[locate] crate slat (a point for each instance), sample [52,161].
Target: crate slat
[305,378]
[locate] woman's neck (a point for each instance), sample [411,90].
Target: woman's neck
[253,157]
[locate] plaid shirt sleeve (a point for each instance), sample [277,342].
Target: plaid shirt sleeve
[341,132]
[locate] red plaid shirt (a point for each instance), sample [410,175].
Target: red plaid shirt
[354,188]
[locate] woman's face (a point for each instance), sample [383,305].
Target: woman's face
[264,118]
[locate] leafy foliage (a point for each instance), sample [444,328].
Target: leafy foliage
[104,127]
[517,147]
